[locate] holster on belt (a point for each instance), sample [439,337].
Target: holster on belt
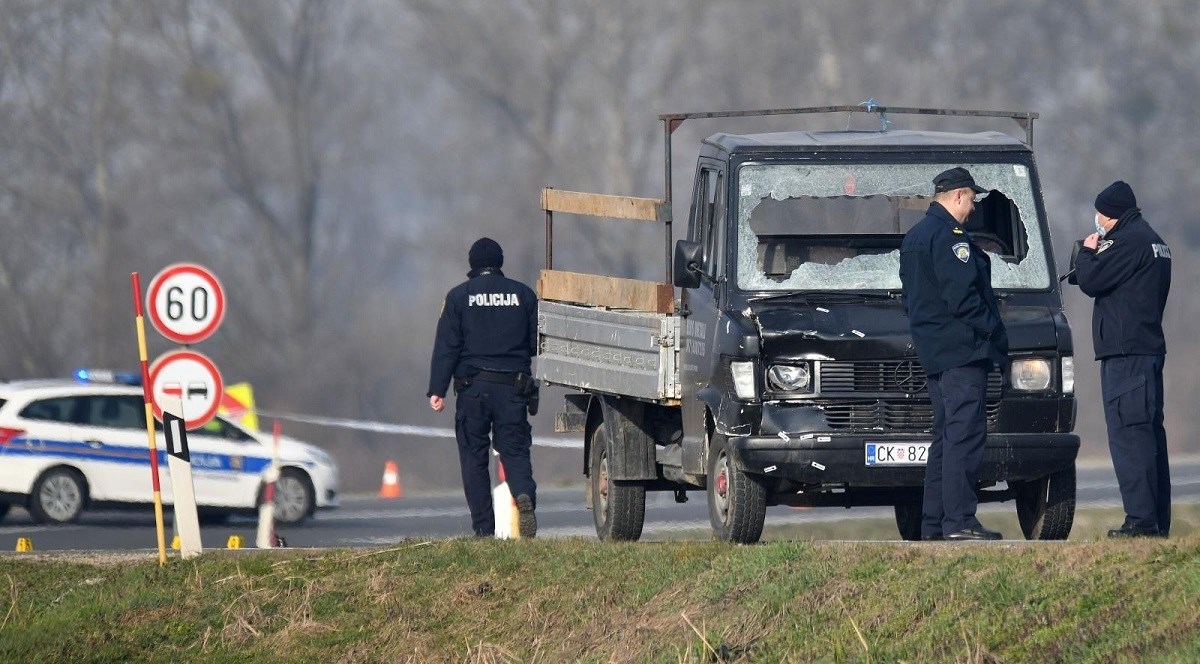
[461,384]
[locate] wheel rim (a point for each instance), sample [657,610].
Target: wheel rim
[602,487]
[60,497]
[291,499]
[721,488]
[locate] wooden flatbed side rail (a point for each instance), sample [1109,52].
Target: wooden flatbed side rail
[604,205]
[601,291]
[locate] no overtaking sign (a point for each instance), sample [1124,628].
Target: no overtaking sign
[190,377]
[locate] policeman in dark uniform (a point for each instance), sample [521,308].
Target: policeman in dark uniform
[1126,267]
[486,336]
[956,326]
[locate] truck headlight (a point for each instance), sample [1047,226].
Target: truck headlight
[1030,374]
[743,379]
[1068,375]
[790,378]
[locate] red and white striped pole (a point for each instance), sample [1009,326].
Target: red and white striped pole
[140,323]
[266,538]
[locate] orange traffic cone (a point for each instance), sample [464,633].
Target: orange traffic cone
[391,481]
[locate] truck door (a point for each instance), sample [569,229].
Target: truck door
[707,227]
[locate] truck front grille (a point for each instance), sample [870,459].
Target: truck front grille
[890,414]
[884,377]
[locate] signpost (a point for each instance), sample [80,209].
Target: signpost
[190,377]
[186,303]
[179,461]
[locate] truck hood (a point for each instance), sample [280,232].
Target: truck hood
[872,330]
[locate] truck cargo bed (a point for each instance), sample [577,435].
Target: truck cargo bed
[630,353]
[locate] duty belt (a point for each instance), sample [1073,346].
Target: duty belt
[502,378]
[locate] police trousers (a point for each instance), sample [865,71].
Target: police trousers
[491,414]
[1133,410]
[959,431]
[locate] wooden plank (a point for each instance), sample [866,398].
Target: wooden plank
[600,291]
[604,205]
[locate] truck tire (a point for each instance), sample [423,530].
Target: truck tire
[618,507]
[908,521]
[59,496]
[1046,506]
[737,504]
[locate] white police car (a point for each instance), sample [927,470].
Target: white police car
[67,446]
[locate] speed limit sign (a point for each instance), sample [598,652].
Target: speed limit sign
[186,303]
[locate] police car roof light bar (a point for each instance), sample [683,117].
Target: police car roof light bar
[107,376]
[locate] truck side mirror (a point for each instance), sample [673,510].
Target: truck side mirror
[686,270]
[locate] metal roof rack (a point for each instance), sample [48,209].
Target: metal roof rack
[1023,118]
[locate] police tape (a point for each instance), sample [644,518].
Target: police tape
[398,429]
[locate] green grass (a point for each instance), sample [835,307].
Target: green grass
[580,600]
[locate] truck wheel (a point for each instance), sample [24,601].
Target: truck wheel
[1046,506]
[908,521]
[618,507]
[294,497]
[737,504]
[58,496]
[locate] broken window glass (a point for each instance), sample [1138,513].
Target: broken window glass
[839,226]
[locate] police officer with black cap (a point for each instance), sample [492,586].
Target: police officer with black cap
[1126,267]
[486,336]
[955,322]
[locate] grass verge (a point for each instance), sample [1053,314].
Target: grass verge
[580,600]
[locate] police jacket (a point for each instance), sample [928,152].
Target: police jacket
[952,311]
[1129,274]
[488,323]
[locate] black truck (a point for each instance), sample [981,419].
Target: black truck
[775,365]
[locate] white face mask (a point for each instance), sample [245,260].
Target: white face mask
[1100,227]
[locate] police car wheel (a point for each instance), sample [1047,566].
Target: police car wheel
[58,496]
[294,497]
[737,503]
[618,507]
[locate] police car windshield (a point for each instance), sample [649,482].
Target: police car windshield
[833,227]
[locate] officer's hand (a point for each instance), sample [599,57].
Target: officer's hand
[437,403]
[1091,241]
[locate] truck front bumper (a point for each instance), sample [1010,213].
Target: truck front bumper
[832,459]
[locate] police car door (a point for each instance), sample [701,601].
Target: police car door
[227,464]
[112,427]
[707,227]
[49,440]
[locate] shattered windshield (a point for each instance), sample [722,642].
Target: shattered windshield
[839,226]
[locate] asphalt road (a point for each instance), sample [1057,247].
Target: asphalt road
[369,521]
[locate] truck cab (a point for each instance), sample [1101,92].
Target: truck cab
[797,382]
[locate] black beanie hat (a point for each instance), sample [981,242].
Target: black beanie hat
[486,252]
[1115,200]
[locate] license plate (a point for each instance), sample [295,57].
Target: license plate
[897,454]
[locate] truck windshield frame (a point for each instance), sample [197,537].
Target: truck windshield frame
[836,225]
